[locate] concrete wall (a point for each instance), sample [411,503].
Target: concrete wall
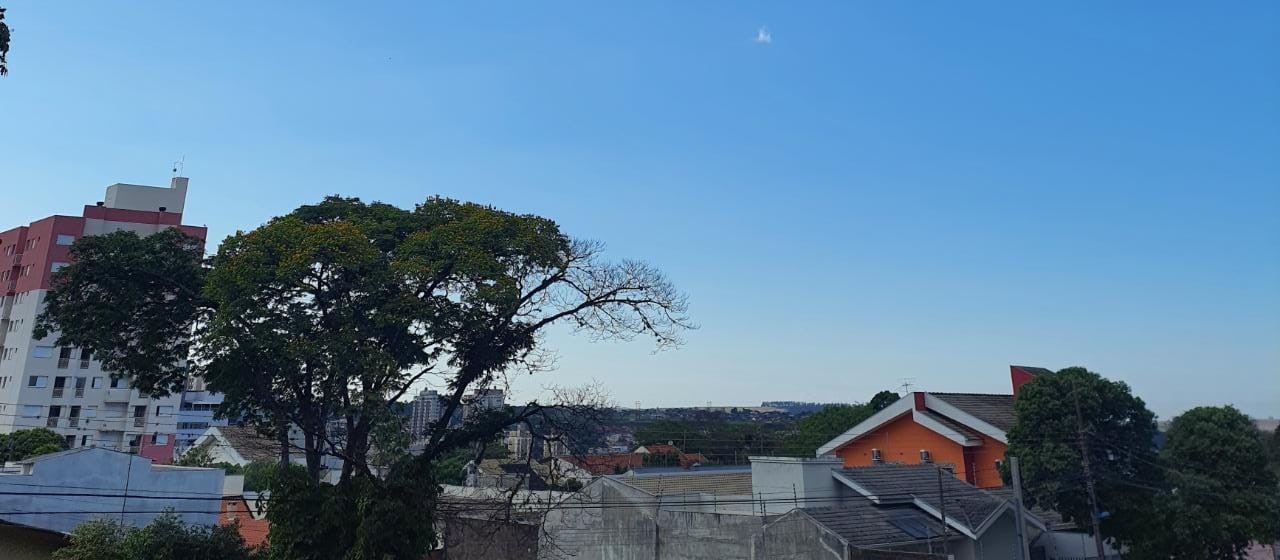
[97,477]
[141,197]
[607,520]
[795,535]
[689,535]
[786,483]
[479,539]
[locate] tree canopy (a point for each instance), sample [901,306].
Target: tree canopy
[1118,436]
[4,45]
[165,538]
[1219,495]
[24,444]
[882,400]
[820,427]
[323,318]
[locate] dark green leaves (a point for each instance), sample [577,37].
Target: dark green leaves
[132,301]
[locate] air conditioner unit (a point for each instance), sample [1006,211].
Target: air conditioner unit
[876,457]
[925,456]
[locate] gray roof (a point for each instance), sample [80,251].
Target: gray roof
[996,410]
[967,504]
[865,524]
[718,482]
[1051,519]
[954,426]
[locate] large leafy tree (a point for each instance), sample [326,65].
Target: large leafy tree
[165,538]
[1055,413]
[1220,495]
[321,319]
[882,400]
[22,444]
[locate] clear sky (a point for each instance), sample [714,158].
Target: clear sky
[932,190]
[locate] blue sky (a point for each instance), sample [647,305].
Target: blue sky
[928,190]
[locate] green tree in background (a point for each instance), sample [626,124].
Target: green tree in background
[165,538]
[24,444]
[1273,451]
[824,425]
[1118,432]
[882,400]
[1220,495]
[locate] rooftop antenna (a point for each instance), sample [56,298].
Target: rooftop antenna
[177,165]
[637,404]
[907,384]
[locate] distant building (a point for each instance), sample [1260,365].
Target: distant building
[427,408]
[196,414]
[964,431]
[43,385]
[798,408]
[241,445]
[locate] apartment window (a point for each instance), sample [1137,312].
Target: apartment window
[97,383]
[89,412]
[64,357]
[119,383]
[86,441]
[139,416]
[38,381]
[54,412]
[73,418]
[31,410]
[42,352]
[59,385]
[58,266]
[64,239]
[85,356]
[71,441]
[160,439]
[164,411]
[80,383]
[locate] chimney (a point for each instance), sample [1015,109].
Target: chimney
[1021,375]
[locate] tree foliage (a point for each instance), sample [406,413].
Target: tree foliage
[165,538]
[818,428]
[4,45]
[1118,430]
[24,444]
[1220,497]
[882,400]
[323,318]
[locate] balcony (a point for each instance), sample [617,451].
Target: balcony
[63,363]
[73,422]
[105,424]
[139,421]
[79,392]
[117,395]
[52,422]
[57,392]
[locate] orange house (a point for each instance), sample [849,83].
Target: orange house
[963,431]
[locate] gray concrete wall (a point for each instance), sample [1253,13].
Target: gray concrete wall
[690,535]
[796,536]
[97,478]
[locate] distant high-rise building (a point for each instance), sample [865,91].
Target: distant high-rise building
[43,385]
[427,408]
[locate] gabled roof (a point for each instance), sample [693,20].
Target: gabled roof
[996,410]
[606,464]
[969,509]
[246,441]
[1034,370]
[965,418]
[861,523]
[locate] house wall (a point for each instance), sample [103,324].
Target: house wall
[25,498]
[787,483]
[901,440]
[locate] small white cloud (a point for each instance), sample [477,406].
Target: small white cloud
[763,36]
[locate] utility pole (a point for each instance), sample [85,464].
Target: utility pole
[1088,477]
[1020,526]
[942,507]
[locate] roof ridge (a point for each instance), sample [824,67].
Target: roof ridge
[971,394]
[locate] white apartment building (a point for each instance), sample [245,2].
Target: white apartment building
[63,388]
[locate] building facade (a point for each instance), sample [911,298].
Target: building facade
[427,408]
[64,389]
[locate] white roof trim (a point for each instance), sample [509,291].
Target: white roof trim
[864,491]
[942,430]
[951,521]
[886,415]
[946,409]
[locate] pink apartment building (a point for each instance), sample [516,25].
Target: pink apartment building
[64,388]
